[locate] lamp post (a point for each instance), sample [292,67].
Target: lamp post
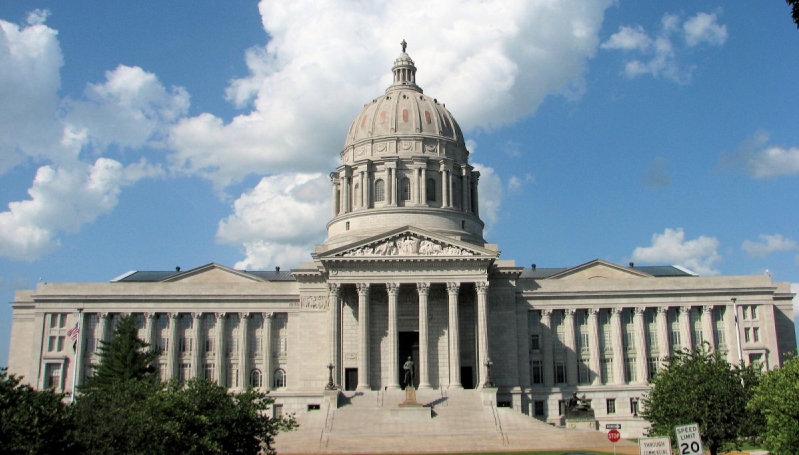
[330,384]
[635,406]
[488,382]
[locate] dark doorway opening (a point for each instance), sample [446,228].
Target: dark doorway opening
[350,378]
[467,378]
[408,347]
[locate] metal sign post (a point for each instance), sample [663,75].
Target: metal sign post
[614,436]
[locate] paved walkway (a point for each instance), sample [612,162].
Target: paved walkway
[372,422]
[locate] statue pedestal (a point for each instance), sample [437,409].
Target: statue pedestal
[331,398]
[489,396]
[410,409]
[582,424]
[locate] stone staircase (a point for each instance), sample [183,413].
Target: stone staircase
[458,421]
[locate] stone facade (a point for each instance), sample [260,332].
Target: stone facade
[405,271]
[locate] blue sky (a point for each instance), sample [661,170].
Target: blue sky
[149,135]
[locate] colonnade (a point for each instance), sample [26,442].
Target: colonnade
[423,291]
[363,176]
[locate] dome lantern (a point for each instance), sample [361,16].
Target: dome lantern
[404,72]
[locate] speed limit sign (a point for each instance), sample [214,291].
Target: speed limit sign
[688,440]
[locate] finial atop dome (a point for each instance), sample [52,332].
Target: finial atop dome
[404,71]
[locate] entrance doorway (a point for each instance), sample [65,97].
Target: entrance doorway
[350,378]
[467,377]
[408,347]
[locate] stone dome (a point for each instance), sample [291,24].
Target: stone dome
[404,110]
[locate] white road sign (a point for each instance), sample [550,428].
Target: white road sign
[654,446]
[688,441]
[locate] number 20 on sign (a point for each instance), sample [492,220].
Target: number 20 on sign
[688,440]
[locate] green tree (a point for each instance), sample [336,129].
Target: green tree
[777,398]
[794,4]
[124,358]
[700,386]
[32,421]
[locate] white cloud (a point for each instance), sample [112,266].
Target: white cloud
[493,62]
[515,183]
[279,220]
[658,55]
[699,255]
[62,200]
[762,160]
[489,195]
[769,244]
[704,28]
[657,176]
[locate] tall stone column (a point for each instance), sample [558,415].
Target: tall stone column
[593,344]
[197,323]
[391,198]
[393,336]
[571,347]
[465,188]
[444,185]
[149,328]
[103,322]
[546,347]
[334,303]
[335,194]
[475,195]
[641,366]
[664,347]
[618,346]
[707,326]
[363,336]
[685,327]
[244,349]
[482,330]
[364,202]
[172,360]
[454,336]
[424,351]
[733,333]
[219,355]
[423,185]
[268,368]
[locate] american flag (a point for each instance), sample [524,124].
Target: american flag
[74,331]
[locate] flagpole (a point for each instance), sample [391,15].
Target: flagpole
[77,355]
[737,329]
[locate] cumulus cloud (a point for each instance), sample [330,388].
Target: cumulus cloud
[763,160]
[515,183]
[62,200]
[489,195]
[494,62]
[698,255]
[279,220]
[130,109]
[768,244]
[657,54]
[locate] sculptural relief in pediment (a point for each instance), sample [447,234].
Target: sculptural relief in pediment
[408,245]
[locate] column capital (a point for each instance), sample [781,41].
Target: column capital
[685,309]
[333,288]
[392,289]
[593,312]
[363,288]
[269,315]
[423,288]
[220,316]
[197,315]
[569,312]
[707,309]
[546,313]
[173,315]
[452,287]
[663,310]
[150,315]
[616,311]
[245,315]
[481,287]
[639,310]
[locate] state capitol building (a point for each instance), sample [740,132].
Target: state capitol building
[405,272]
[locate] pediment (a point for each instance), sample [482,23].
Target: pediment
[599,269]
[409,243]
[212,274]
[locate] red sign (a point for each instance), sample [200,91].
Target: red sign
[614,436]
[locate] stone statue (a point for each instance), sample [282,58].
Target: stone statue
[408,367]
[579,407]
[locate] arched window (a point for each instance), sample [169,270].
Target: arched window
[357,195]
[280,379]
[380,190]
[431,190]
[405,186]
[256,379]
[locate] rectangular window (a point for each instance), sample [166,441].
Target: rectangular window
[233,376]
[535,342]
[51,344]
[756,334]
[538,408]
[52,376]
[607,370]
[629,340]
[745,311]
[91,345]
[561,407]
[184,371]
[754,311]
[186,344]
[278,411]
[584,371]
[161,367]
[209,370]
[60,343]
[560,372]
[676,343]
[255,345]
[611,405]
[538,372]
[652,364]
[209,345]
[585,346]
[747,335]
[162,344]
[629,369]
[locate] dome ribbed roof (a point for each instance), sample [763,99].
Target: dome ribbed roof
[404,110]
